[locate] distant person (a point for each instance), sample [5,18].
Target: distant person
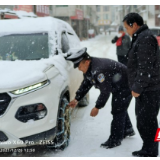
[110,77]
[123,43]
[144,81]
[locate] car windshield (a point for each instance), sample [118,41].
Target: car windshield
[24,47]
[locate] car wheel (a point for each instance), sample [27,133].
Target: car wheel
[85,101]
[62,138]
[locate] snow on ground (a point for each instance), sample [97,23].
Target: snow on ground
[87,133]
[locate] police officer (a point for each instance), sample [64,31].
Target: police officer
[108,76]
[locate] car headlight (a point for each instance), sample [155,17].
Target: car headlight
[30,88]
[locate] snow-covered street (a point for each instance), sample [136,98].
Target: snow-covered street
[87,133]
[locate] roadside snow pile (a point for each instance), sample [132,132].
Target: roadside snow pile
[19,14]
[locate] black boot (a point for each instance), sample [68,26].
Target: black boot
[129,132]
[111,143]
[143,153]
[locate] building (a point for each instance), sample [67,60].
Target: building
[104,13]
[119,14]
[150,13]
[21,11]
[80,17]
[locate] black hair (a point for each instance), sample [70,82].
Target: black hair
[86,57]
[131,18]
[120,28]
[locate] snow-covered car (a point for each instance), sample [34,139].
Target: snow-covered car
[91,33]
[37,82]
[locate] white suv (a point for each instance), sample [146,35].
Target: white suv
[36,82]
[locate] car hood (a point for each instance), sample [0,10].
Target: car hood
[20,74]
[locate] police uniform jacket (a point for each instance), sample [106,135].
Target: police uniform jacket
[107,75]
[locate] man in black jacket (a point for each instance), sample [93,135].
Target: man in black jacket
[108,76]
[144,81]
[123,43]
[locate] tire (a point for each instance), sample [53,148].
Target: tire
[85,101]
[62,138]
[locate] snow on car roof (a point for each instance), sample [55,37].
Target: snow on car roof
[20,14]
[32,25]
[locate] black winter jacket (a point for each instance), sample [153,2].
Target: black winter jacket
[144,62]
[107,75]
[126,43]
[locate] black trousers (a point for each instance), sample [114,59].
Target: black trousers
[147,108]
[121,121]
[122,59]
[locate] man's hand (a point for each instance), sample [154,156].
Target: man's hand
[94,112]
[134,94]
[73,103]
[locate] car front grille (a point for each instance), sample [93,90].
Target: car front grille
[4,102]
[3,137]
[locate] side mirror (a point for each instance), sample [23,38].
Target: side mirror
[56,52]
[67,54]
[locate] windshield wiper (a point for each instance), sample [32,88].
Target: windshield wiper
[33,59]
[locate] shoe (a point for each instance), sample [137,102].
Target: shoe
[142,153]
[129,132]
[111,144]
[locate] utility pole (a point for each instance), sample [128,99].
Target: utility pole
[123,12]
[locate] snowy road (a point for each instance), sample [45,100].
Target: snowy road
[87,133]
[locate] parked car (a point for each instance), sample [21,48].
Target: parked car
[36,82]
[109,30]
[101,30]
[91,33]
[156,33]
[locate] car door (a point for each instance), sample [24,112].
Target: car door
[75,76]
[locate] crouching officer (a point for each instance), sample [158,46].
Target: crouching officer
[108,76]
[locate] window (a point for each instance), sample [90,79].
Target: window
[16,6]
[73,40]
[34,9]
[65,43]
[61,5]
[50,7]
[135,6]
[106,8]
[157,7]
[79,6]
[98,8]
[105,16]
[24,47]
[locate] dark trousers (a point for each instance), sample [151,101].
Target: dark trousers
[122,59]
[121,121]
[147,108]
